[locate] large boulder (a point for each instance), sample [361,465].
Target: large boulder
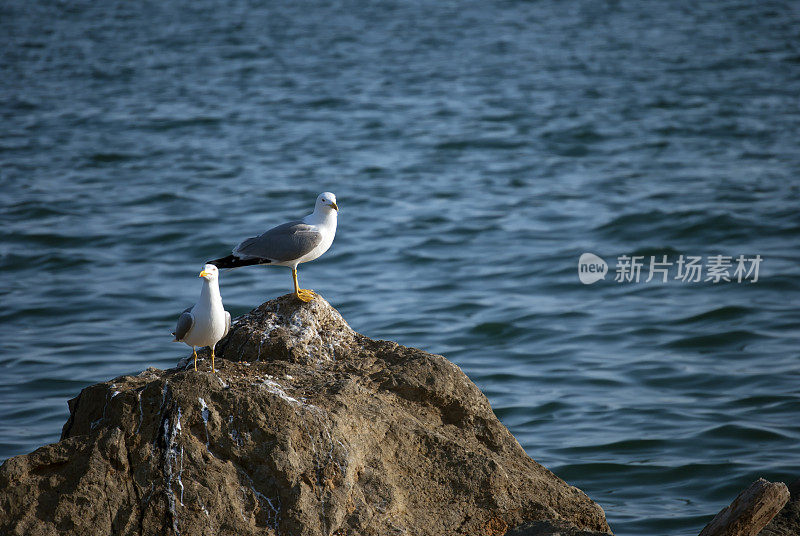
[306,428]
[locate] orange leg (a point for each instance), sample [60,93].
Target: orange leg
[303,294]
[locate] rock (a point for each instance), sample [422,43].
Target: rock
[550,528]
[320,431]
[750,511]
[787,522]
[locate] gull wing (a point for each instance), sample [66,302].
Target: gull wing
[283,243]
[227,323]
[185,324]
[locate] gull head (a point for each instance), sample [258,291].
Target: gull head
[326,202]
[210,272]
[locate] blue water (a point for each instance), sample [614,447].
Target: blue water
[477,149]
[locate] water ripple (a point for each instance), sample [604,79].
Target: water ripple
[477,150]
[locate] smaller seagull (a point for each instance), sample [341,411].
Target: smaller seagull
[290,244]
[205,323]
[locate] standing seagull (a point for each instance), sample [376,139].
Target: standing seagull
[290,244]
[205,323]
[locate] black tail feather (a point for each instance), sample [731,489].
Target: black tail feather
[231,261]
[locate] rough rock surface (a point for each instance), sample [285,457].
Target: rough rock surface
[319,431]
[750,511]
[550,528]
[787,522]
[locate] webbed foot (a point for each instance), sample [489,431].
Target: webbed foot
[305,294]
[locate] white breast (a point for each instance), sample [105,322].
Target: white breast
[328,230]
[209,326]
[209,317]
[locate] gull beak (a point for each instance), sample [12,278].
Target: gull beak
[335,207]
[203,274]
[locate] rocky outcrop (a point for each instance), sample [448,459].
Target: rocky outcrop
[550,528]
[750,511]
[787,522]
[307,428]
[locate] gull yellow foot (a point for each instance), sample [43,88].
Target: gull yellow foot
[305,294]
[194,353]
[212,359]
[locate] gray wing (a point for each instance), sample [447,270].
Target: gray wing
[185,323]
[227,322]
[285,242]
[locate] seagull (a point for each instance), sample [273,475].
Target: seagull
[206,322]
[290,244]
